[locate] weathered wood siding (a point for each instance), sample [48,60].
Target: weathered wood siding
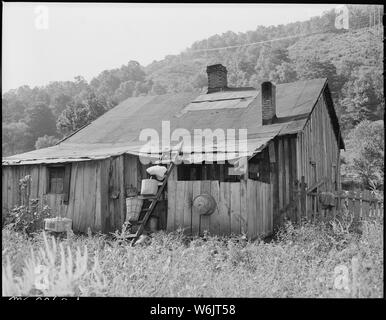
[118,174]
[312,153]
[284,174]
[242,207]
[318,150]
[97,195]
[11,192]
[83,206]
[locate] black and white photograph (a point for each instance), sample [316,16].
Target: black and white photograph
[181,150]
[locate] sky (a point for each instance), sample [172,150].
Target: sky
[45,42]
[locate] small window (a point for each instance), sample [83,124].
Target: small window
[259,167]
[209,171]
[59,180]
[56,179]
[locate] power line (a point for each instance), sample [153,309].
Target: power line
[272,40]
[362,27]
[250,44]
[361,24]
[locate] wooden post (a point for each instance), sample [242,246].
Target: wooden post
[122,191]
[373,206]
[171,199]
[272,150]
[338,201]
[296,198]
[357,205]
[303,196]
[351,202]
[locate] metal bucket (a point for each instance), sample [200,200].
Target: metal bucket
[149,187]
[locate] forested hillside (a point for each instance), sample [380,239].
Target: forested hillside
[352,60]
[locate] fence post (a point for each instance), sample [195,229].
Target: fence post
[351,202]
[357,205]
[366,204]
[373,206]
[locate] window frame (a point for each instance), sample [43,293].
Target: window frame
[65,176]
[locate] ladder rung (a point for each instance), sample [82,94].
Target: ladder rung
[136,222]
[144,197]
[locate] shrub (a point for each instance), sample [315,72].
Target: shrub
[27,219]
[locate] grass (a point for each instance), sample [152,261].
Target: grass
[302,261]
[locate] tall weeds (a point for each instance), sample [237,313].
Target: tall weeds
[300,262]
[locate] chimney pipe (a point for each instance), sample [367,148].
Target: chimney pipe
[217,78]
[268,102]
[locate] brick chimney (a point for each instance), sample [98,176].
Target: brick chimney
[268,102]
[217,77]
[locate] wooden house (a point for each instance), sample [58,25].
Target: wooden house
[292,131]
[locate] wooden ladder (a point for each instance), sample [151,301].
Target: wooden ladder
[154,200]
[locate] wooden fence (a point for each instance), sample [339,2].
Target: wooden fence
[242,207]
[309,203]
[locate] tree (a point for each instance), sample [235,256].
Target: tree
[313,68]
[361,96]
[80,113]
[60,102]
[275,65]
[13,108]
[157,88]
[142,88]
[96,105]
[41,121]
[132,71]
[14,137]
[284,73]
[125,90]
[200,81]
[365,153]
[45,141]
[75,116]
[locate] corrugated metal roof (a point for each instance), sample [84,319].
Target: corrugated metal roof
[118,130]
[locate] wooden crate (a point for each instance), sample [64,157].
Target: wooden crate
[57,224]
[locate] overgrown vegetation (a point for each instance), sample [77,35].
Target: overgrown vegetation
[311,260]
[363,160]
[28,216]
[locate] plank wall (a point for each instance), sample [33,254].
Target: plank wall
[242,207]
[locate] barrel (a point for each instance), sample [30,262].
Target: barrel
[204,204]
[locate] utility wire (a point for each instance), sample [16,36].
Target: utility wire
[250,44]
[365,26]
